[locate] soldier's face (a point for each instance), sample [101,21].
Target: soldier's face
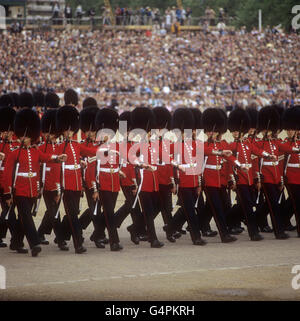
[68,134]
[251,131]
[235,134]
[291,133]
[27,141]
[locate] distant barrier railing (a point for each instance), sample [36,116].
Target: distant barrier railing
[120,21]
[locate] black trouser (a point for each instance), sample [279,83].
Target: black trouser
[150,208]
[188,197]
[88,216]
[138,224]
[215,200]
[165,202]
[262,209]
[49,221]
[286,207]
[246,200]
[25,207]
[294,194]
[272,194]
[12,224]
[109,200]
[204,214]
[70,221]
[180,216]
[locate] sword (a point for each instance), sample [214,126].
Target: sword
[202,170]
[258,193]
[140,187]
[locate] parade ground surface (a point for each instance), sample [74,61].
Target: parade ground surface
[242,270]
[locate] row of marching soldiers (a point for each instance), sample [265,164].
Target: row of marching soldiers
[60,169]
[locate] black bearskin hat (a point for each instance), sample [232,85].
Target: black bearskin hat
[39,99]
[27,123]
[26,100]
[7,118]
[183,118]
[15,97]
[253,114]
[143,118]
[67,117]
[291,118]
[48,122]
[197,118]
[51,100]
[224,115]
[71,97]
[88,102]
[163,117]
[6,100]
[280,111]
[268,119]
[126,116]
[213,120]
[87,118]
[239,120]
[107,118]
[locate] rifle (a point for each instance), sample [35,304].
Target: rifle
[261,160]
[62,180]
[37,205]
[16,170]
[287,159]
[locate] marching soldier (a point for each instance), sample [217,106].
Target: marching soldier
[7,117]
[108,168]
[239,124]
[146,160]
[213,123]
[291,121]
[268,123]
[129,187]
[50,182]
[87,125]
[260,203]
[67,120]
[20,179]
[165,171]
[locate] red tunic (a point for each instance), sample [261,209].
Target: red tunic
[74,150]
[212,171]
[91,169]
[27,180]
[108,167]
[127,168]
[243,151]
[52,175]
[270,169]
[165,170]
[293,166]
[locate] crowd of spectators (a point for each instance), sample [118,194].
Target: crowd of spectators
[195,69]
